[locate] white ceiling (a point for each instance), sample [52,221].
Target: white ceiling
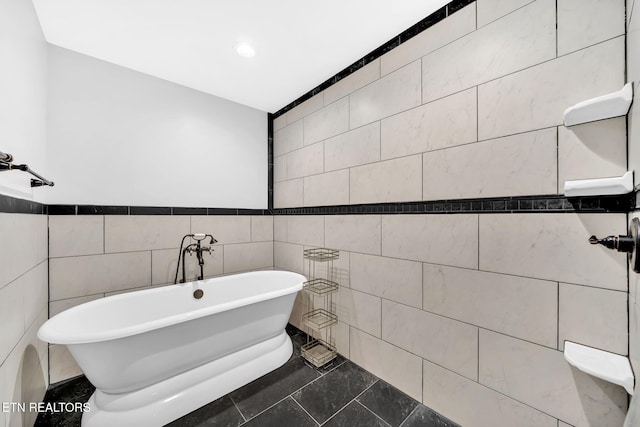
[299,43]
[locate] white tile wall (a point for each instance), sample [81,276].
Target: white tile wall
[457,25]
[305,161]
[63,365]
[517,306]
[279,122]
[394,365]
[357,147]
[35,291]
[583,23]
[437,239]
[592,150]
[446,342]
[288,139]
[553,247]
[357,233]
[245,243]
[24,244]
[439,124]
[262,228]
[521,39]
[393,279]
[247,256]
[393,93]
[126,233]
[23,309]
[59,306]
[593,317]
[304,109]
[377,156]
[536,98]
[288,194]
[359,310]
[365,75]
[330,188]
[340,333]
[472,405]
[327,122]
[486,121]
[280,168]
[396,180]
[518,165]
[306,230]
[226,229]
[86,232]
[78,276]
[490,10]
[540,377]
[11,317]
[288,256]
[280,228]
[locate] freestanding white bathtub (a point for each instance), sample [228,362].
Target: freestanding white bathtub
[157,354]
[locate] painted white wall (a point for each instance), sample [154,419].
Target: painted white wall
[23,55]
[120,137]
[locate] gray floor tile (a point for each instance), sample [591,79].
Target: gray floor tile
[327,395]
[258,395]
[388,403]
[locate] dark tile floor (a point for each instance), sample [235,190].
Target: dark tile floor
[340,394]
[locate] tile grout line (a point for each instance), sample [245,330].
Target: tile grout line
[357,402]
[457,267]
[295,391]
[235,405]
[305,411]
[410,413]
[354,399]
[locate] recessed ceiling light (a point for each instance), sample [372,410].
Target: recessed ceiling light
[244,49]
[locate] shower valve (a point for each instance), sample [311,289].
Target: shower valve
[629,243]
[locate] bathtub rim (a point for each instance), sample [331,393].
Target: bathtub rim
[50,332]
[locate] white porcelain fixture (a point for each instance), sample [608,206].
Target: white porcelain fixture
[245,49]
[602,107]
[158,354]
[599,186]
[608,366]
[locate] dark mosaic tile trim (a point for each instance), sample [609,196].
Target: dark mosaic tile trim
[146,210]
[10,204]
[412,31]
[528,204]
[270,161]
[102,210]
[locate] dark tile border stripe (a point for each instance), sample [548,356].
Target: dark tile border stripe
[434,18]
[10,204]
[525,204]
[148,210]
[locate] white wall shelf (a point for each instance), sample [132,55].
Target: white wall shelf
[602,107]
[599,186]
[610,367]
